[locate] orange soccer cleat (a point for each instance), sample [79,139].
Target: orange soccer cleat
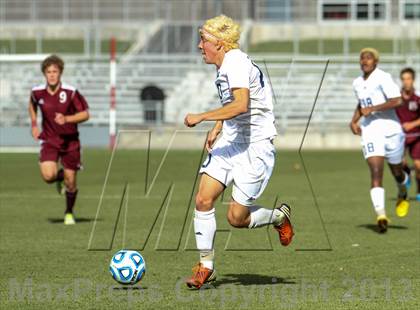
[201,275]
[285,229]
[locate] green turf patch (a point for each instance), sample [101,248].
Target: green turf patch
[384,46]
[62,46]
[322,47]
[272,47]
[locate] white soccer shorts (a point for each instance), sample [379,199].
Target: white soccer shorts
[390,147]
[249,166]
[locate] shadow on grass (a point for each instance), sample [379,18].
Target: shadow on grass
[413,199]
[250,279]
[56,220]
[375,228]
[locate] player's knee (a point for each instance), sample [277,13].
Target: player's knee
[235,220]
[70,185]
[49,177]
[376,171]
[203,203]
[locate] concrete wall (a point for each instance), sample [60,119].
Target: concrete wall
[262,32]
[19,137]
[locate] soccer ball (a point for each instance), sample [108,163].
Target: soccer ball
[127,267]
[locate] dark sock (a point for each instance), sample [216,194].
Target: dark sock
[70,200]
[60,175]
[407,169]
[400,178]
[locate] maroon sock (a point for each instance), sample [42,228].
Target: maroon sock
[70,200]
[60,175]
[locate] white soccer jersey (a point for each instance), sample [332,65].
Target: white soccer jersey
[238,71]
[378,88]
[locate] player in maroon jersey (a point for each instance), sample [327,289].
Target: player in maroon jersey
[62,108]
[409,115]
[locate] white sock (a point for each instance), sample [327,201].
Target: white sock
[377,195]
[205,229]
[262,217]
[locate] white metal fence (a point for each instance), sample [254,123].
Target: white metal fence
[170,26]
[124,10]
[94,11]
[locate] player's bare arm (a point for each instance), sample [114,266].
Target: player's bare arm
[212,135]
[390,104]
[407,126]
[34,126]
[354,123]
[228,111]
[74,119]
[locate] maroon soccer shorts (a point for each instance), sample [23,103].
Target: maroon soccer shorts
[69,155]
[414,149]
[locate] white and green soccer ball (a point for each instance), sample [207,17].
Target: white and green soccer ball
[127,267]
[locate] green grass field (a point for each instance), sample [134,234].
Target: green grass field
[62,46]
[46,265]
[320,47]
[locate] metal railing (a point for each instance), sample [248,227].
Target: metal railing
[129,11]
[294,84]
[94,11]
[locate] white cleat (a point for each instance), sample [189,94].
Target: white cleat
[69,219]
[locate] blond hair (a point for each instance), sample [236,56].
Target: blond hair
[373,51]
[223,28]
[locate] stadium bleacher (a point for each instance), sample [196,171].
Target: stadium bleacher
[188,85]
[164,54]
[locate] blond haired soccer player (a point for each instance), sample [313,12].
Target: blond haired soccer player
[382,136]
[244,155]
[62,108]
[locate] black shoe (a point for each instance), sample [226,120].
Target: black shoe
[382,222]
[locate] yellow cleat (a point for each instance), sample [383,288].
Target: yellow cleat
[402,207]
[69,219]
